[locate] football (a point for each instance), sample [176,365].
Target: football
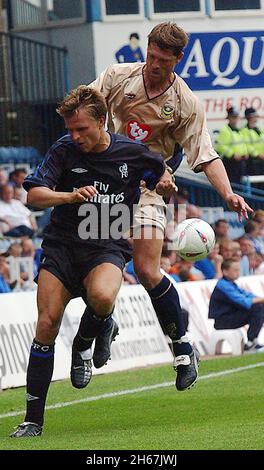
[193,239]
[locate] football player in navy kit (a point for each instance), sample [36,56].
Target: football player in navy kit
[83,172]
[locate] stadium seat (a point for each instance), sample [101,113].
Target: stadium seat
[235,338]
[212,214]
[16,155]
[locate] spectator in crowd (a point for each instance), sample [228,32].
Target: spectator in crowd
[231,146]
[253,231]
[186,271]
[229,249]
[236,255]
[256,263]
[15,218]
[254,139]
[18,194]
[211,266]
[129,278]
[246,245]
[129,269]
[221,228]
[3,177]
[247,249]
[165,263]
[15,251]
[4,276]
[259,217]
[226,248]
[16,179]
[168,252]
[232,307]
[29,251]
[190,210]
[130,52]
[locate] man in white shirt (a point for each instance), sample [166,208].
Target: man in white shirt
[15,218]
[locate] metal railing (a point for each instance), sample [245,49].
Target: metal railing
[33,79]
[203,194]
[25,13]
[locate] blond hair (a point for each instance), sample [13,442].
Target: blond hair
[83,97]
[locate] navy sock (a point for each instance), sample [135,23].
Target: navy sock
[90,327]
[39,374]
[166,303]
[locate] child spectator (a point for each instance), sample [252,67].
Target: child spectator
[232,307]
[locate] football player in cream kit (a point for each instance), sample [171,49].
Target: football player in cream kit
[150,103]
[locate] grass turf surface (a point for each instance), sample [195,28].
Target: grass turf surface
[224,412]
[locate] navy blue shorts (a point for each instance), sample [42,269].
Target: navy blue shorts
[71,263]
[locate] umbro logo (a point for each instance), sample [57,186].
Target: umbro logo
[79,170]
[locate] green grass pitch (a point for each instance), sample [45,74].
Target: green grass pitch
[220,412]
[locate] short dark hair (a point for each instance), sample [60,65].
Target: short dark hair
[83,97]
[220,221]
[227,263]
[250,226]
[134,35]
[169,36]
[17,172]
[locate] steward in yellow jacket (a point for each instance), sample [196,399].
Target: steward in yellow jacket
[230,145]
[254,138]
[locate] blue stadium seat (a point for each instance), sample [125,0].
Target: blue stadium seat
[15,155]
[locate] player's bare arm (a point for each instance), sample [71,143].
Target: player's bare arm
[217,176]
[42,198]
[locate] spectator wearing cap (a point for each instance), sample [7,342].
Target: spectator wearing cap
[230,144]
[254,138]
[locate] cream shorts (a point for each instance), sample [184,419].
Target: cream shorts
[149,216]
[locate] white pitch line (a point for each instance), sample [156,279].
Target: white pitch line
[134,390]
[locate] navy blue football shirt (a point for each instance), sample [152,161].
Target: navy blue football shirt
[115,173]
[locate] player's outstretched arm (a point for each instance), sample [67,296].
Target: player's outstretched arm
[42,198]
[216,174]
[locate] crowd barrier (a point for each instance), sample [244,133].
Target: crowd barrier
[140,342]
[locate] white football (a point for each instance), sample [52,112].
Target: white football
[193,239]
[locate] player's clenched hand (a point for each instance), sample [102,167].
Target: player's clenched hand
[166,188]
[83,194]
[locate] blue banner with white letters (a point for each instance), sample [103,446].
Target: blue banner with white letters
[214,61]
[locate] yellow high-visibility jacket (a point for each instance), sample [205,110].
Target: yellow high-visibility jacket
[254,139]
[230,142]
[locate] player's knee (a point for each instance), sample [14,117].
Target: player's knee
[47,327]
[102,302]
